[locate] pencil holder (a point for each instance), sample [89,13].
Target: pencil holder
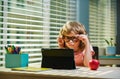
[16,60]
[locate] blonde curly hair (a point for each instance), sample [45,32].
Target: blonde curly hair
[75,27]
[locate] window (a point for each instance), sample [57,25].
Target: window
[33,24]
[102,21]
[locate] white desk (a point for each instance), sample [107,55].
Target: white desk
[80,73]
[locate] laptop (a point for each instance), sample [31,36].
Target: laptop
[58,58]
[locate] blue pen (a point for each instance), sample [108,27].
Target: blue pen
[18,49]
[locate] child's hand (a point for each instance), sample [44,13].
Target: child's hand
[83,38]
[60,42]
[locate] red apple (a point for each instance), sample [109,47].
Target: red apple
[94,64]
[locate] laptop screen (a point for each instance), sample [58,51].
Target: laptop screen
[58,58]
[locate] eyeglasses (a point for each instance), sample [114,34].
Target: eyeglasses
[68,38]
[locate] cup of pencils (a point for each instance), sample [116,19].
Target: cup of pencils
[14,57]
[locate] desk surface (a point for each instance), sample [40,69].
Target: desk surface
[79,73]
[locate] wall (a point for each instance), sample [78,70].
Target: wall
[83,13]
[118,27]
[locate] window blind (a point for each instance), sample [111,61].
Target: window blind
[33,24]
[102,21]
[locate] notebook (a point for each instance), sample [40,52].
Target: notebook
[58,58]
[30,69]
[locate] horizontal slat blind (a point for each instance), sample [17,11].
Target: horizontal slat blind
[61,11]
[102,21]
[33,24]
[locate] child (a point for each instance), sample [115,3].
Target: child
[73,36]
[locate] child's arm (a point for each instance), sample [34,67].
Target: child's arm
[88,49]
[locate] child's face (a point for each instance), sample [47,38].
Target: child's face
[72,41]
